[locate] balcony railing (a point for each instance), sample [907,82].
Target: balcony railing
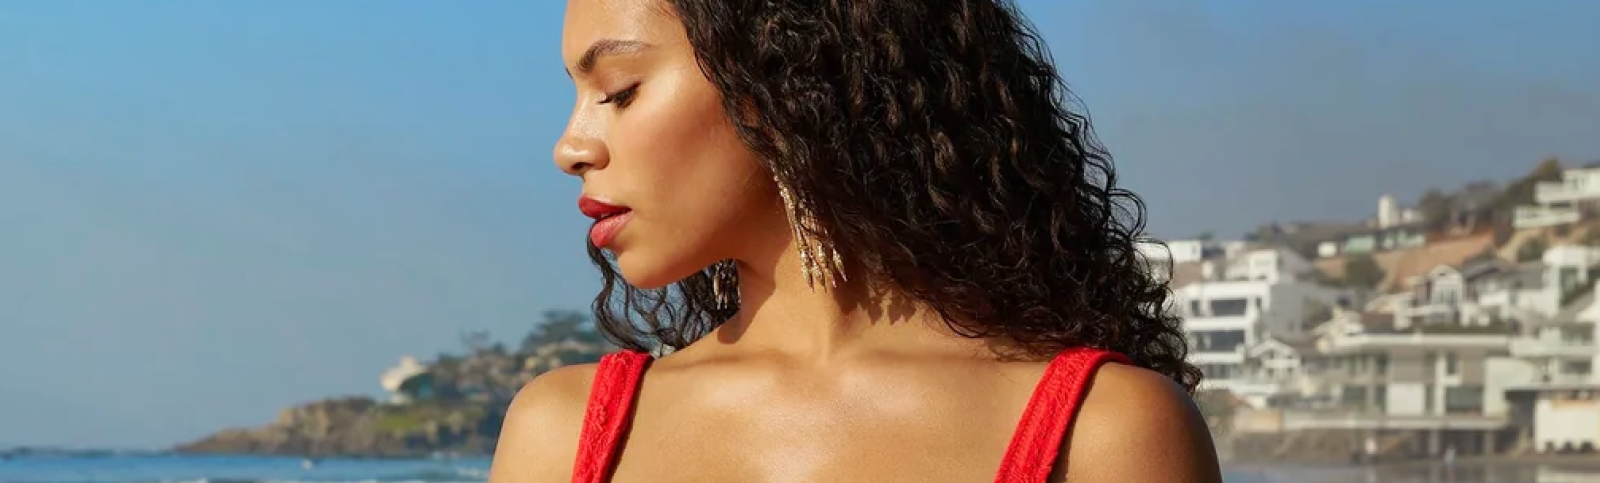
[1560,192]
[1543,216]
[1337,419]
[1535,347]
[1222,322]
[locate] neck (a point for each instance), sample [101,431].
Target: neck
[781,313]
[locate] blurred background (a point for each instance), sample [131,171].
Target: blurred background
[251,240]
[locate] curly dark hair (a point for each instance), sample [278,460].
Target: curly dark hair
[934,141]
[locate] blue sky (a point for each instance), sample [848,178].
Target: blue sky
[212,210]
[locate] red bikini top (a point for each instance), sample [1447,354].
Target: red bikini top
[1029,459]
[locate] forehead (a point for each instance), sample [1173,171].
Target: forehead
[590,20]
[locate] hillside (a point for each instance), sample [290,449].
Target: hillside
[460,413]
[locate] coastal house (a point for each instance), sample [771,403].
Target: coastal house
[1305,237]
[1510,292]
[1555,391]
[1272,372]
[1179,251]
[1558,418]
[1420,390]
[1433,299]
[1560,202]
[1393,228]
[1173,258]
[1486,290]
[409,381]
[1562,348]
[1373,366]
[1242,302]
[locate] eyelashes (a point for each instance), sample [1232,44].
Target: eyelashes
[621,98]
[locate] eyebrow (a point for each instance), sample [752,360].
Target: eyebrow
[607,47]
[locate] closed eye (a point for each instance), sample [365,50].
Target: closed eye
[621,98]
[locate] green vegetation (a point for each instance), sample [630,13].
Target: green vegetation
[1532,250]
[1436,209]
[1362,271]
[490,372]
[1440,211]
[414,418]
[1520,192]
[457,406]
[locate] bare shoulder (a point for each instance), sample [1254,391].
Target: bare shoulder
[1138,425]
[539,439]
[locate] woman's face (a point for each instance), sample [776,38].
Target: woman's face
[661,165]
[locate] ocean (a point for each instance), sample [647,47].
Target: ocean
[111,468]
[235,469]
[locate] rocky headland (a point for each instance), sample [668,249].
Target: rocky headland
[452,405]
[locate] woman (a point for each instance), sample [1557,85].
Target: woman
[880,245]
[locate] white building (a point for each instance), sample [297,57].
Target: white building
[1240,304]
[1484,356]
[1179,251]
[1406,373]
[1511,292]
[1560,202]
[1391,214]
[1487,290]
[1419,391]
[1577,185]
[1563,417]
[1538,216]
[1165,257]
[394,379]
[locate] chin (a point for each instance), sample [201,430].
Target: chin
[644,271]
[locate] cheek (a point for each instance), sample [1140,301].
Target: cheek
[686,153]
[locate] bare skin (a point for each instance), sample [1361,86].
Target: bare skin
[804,385]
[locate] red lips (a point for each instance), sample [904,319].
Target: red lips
[609,220]
[597,209]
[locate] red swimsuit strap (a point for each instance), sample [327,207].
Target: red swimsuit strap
[1029,459]
[1039,436]
[605,422]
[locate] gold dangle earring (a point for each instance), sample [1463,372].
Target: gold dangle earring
[819,260]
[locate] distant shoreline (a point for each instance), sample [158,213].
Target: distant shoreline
[36,452]
[1581,463]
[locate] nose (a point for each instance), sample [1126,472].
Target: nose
[576,154]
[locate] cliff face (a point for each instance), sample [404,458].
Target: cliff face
[361,427]
[460,413]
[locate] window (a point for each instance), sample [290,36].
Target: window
[1228,307]
[1353,396]
[1381,364]
[1576,368]
[1568,277]
[1218,371]
[1194,308]
[1218,340]
[1463,399]
[1450,364]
